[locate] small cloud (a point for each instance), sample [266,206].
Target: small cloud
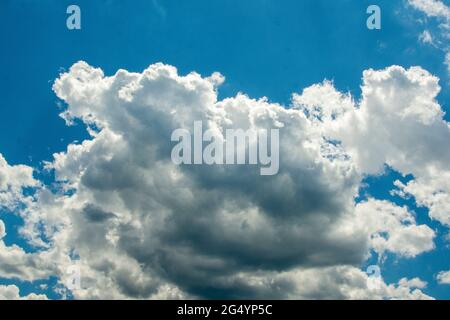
[426,37]
[443,277]
[447,60]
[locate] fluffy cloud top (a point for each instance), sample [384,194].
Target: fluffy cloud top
[398,123]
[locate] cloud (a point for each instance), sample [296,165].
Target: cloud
[426,37]
[443,277]
[412,283]
[17,264]
[447,61]
[339,282]
[191,226]
[167,230]
[432,192]
[393,228]
[2,230]
[398,123]
[432,8]
[13,179]
[440,37]
[138,226]
[11,292]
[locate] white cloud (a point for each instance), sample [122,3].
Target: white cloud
[393,228]
[447,61]
[439,39]
[432,8]
[322,103]
[145,228]
[426,37]
[443,277]
[17,264]
[12,181]
[431,191]
[340,282]
[412,283]
[135,206]
[11,292]
[148,215]
[399,123]
[2,230]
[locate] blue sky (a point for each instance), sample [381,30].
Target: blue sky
[262,47]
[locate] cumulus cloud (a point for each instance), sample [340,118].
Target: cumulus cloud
[138,226]
[398,123]
[11,292]
[443,277]
[17,264]
[191,226]
[393,228]
[340,282]
[432,192]
[13,179]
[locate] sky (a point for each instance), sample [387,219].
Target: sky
[396,131]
